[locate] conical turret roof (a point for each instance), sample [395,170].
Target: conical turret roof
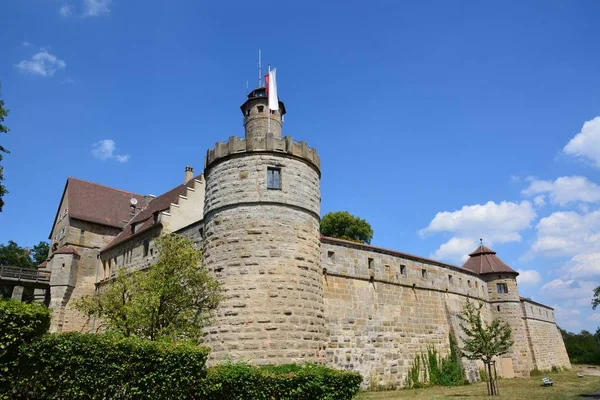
[485,261]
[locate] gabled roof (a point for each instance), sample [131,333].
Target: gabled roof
[146,216]
[96,203]
[484,261]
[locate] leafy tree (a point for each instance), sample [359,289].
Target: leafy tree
[40,252]
[583,347]
[3,129]
[14,255]
[484,342]
[173,300]
[596,298]
[343,225]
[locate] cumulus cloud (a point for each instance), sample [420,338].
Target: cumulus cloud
[567,318]
[456,249]
[106,150]
[586,144]
[41,64]
[494,222]
[528,277]
[585,265]
[539,201]
[565,190]
[567,233]
[572,292]
[96,8]
[65,10]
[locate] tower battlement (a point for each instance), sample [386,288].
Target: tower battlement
[270,143]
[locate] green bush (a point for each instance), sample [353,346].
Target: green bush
[85,366]
[283,382]
[20,323]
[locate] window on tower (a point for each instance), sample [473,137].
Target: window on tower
[273,178]
[502,287]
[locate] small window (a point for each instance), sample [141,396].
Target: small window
[476,284]
[63,265]
[469,284]
[424,273]
[371,263]
[260,108]
[201,232]
[331,256]
[449,278]
[146,247]
[498,307]
[151,252]
[403,270]
[502,288]
[273,178]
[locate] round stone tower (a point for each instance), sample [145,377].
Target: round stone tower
[505,303]
[261,226]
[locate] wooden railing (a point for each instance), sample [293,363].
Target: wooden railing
[24,275]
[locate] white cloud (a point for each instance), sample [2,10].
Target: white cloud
[96,8]
[456,249]
[122,158]
[586,144]
[585,265]
[567,318]
[65,10]
[539,201]
[565,190]
[493,222]
[567,233]
[68,80]
[528,277]
[105,150]
[25,44]
[571,292]
[42,64]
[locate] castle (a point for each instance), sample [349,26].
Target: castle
[291,295]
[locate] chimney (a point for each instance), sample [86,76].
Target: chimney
[189,174]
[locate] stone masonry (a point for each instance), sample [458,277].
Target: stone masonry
[291,295]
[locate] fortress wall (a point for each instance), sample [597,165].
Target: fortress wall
[545,341]
[378,319]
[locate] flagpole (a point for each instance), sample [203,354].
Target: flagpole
[268,109]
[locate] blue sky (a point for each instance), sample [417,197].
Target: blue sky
[439,122]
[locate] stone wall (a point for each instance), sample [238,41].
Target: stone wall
[545,341]
[79,280]
[263,246]
[382,308]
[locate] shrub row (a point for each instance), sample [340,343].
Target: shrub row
[283,382]
[34,365]
[85,366]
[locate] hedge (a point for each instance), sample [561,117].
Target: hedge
[284,382]
[85,366]
[20,323]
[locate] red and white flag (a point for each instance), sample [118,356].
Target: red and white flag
[271,85]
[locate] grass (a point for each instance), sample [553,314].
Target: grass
[566,386]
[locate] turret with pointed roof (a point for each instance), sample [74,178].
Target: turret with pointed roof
[485,261]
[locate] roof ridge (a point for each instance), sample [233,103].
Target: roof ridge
[104,186]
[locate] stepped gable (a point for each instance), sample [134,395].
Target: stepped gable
[97,203]
[146,215]
[485,261]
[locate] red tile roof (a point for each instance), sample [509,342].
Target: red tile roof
[146,216]
[484,261]
[67,250]
[100,204]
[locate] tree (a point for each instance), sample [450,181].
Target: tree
[172,300]
[3,129]
[484,342]
[14,255]
[596,298]
[40,252]
[343,225]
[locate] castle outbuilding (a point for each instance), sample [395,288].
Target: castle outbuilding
[291,295]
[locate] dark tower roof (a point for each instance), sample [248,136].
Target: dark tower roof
[261,93]
[484,261]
